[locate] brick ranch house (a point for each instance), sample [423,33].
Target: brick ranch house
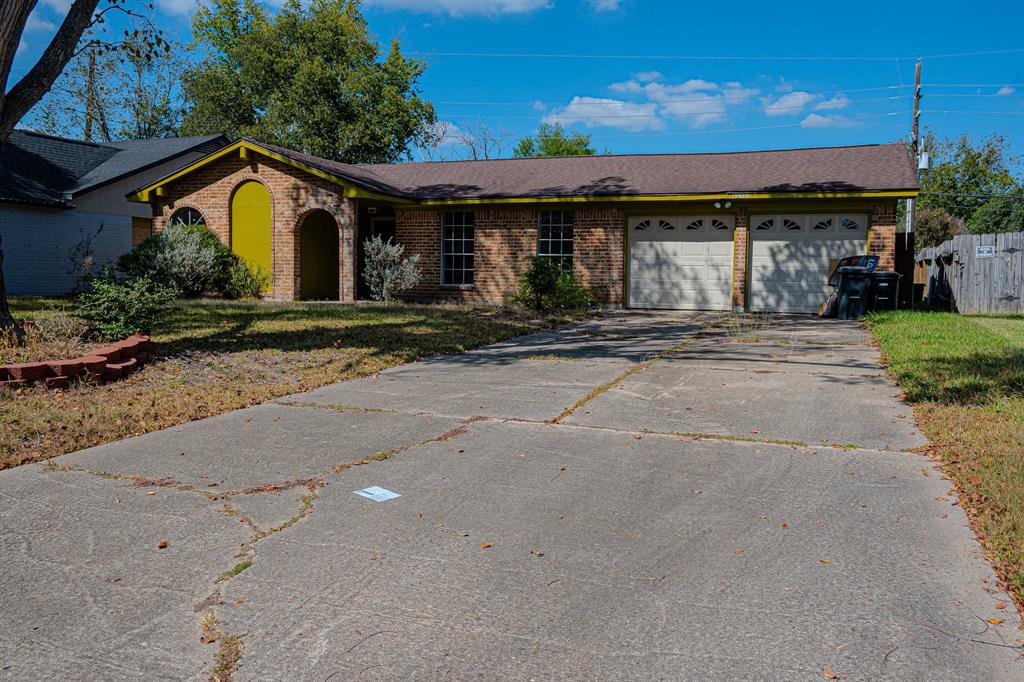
[732,231]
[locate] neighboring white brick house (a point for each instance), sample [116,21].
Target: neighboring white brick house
[38,244]
[55,193]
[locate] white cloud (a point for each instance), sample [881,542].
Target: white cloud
[605,5]
[696,111]
[37,23]
[1005,91]
[784,85]
[176,8]
[538,105]
[22,46]
[840,101]
[602,111]
[61,7]
[828,121]
[459,8]
[645,76]
[791,103]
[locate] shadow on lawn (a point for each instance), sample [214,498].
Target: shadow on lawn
[971,379]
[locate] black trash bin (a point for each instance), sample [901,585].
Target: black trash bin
[885,290]
[854,292]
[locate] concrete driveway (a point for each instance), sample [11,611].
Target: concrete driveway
[633,498]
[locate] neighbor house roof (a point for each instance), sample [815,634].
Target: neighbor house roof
[798,172]
[44,170]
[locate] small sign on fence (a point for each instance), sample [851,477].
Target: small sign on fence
[984,251]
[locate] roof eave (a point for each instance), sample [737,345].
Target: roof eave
[907,193]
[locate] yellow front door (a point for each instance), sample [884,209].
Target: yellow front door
[250,225]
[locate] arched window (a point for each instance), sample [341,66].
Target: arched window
[188,217]
[766,225]
[790,225]
[642,225]
[717,224]
[665,225]
[823,224]
[695,225]
[850,224]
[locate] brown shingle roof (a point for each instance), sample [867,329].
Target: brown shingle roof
[866,168]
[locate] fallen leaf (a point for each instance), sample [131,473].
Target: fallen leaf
[636,437]
[762,517]
[784,525]
[486,545]
[238,602]
[825,561]
[755,430]
[828,674]
[536,553]
[163,544]
[818,522]
[697,491]
[994,621]
[208,639]
[1001,605]
[151,492]
[739,552]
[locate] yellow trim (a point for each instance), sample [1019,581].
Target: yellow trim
[243,153]
[349,190]
[672,198]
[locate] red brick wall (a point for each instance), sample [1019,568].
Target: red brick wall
[293,195]
[504,239]
[741,238]
[883,235]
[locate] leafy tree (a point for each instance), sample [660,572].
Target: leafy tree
[964,174]
[932,226]
[1001,214]
[553,140]
[310,78]
[17,100]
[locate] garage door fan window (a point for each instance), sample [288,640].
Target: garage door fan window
[555,237]
[457,234]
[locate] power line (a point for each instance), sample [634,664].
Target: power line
[983,113]
[676,57]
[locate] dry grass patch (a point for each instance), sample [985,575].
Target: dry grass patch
[964,375]
[215,356]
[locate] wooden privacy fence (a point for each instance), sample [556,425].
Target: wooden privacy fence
[974,273]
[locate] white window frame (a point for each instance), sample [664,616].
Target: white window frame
[565,219]
[456,247]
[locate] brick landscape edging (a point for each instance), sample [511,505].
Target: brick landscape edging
[108,363]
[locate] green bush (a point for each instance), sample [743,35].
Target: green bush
[544,285]
[117,309]
[538,281]
[189,258]
[247,281]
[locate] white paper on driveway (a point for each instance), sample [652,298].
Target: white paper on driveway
[377,494]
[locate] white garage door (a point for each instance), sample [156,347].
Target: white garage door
[789,258]
[680,262]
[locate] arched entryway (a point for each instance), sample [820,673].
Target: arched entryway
[250,225]
[318,257]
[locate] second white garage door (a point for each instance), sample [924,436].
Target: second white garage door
[790,254]
[680,262]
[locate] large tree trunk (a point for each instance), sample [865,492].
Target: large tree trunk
[37,82]
[7,321]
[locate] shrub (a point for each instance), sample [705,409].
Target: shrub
[538,281]
[117,309]
[247,281]
[385,271]
[932,226]
[544,285]
[189,258]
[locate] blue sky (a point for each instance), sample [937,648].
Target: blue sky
[630,80]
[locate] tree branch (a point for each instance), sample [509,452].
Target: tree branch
[34,84]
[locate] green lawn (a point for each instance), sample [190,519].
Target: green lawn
[964,374]
[214,356]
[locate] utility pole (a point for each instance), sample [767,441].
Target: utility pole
[915,139]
